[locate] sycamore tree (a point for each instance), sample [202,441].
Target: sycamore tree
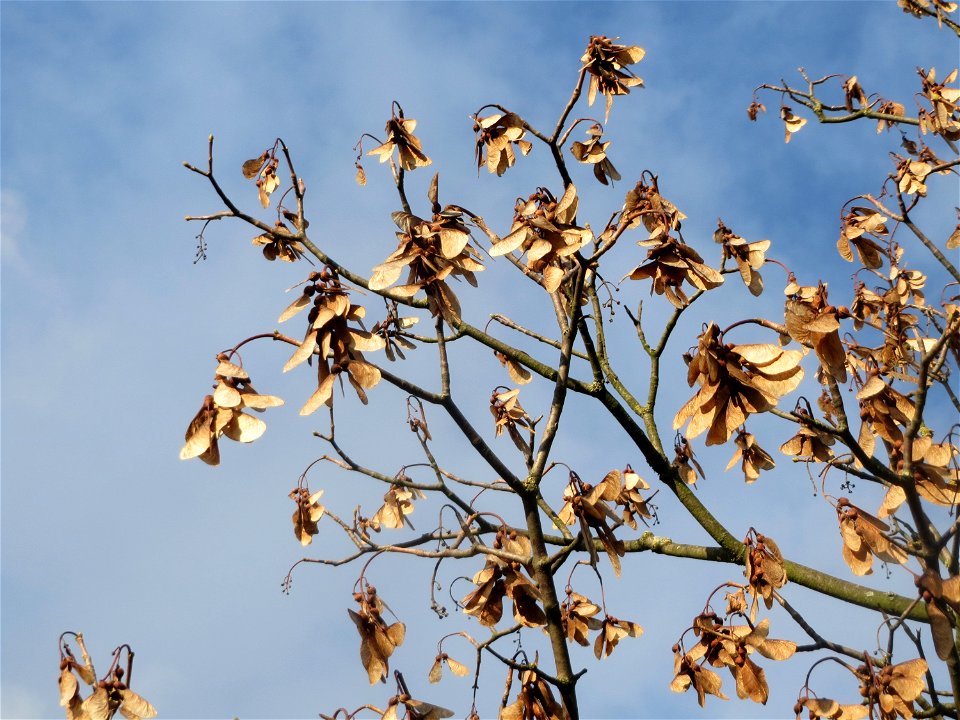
[857,386]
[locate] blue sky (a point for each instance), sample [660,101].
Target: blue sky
[109,330]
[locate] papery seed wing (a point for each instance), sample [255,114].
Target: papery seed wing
[306,349]
[850,535]
[365,341]
[567,205]
[136,705]
[552,277]
[752,682]
[389,516]
[447,301]
[84,670]
[293,308]
[873,386]
[322,395]
[340,304]
[426,711]
[941,628]
[830,350]
[689,408]
[892,500]
[608,488]
[325,314]
[822,707]
[386,275]
[221,418]
[510,243]
[860,560]
[907,678]
[396,633]
[852,712]
[364,373]
[97,705]
[255,401]
[518,373]
[452,242]
[375,665]
[538,249]
[777,649]
[68,686]
[244,428]
[211,456]
[226,396]
[251,168]
[456,668]
[228,369]
[738,453]
[760,355]
[300,529]
[196,445]
[406,291]
[712,400]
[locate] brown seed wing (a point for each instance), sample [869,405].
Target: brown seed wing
[136,705]
[68,686]
[244,428]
